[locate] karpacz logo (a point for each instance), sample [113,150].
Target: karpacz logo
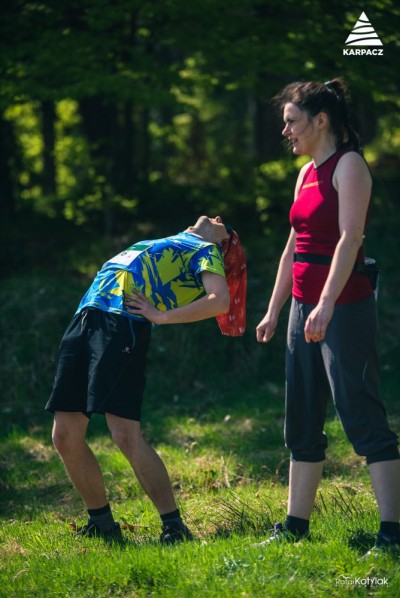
[363,34]
[363,52]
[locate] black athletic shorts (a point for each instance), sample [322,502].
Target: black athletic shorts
[101,365]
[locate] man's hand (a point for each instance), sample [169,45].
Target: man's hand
[140,305]
[215,302]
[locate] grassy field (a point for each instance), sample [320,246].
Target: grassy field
[214,411]
[231,487]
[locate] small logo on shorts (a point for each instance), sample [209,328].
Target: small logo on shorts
[127,350]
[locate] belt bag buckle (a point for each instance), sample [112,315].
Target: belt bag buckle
[371,270]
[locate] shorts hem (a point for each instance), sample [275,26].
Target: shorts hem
[390,453]
[130,417]
[308,458]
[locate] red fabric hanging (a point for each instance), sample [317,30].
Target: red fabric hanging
[233,323]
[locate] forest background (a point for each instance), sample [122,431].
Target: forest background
[130,114]
[125,120]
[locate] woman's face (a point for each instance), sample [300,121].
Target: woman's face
[300,129]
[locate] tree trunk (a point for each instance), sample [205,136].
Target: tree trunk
[49,141]
[267,135]
[121,150]
[144,163]
[7,152]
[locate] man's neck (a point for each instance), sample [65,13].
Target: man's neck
[195,231]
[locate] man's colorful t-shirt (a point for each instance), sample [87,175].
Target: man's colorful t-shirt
[168,271]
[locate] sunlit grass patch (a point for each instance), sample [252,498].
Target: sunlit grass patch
[41,556]
[214,412]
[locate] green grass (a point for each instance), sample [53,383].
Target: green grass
[228,504]
[214,411]
[41,557]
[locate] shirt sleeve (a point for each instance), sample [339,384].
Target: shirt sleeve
[208,259]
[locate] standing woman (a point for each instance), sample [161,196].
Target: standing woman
[332,332]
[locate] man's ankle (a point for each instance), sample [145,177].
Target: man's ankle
[102,518]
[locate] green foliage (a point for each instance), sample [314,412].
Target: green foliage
[168,105]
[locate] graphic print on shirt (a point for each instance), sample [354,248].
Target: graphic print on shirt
[168,271]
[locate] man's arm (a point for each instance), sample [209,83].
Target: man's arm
[215,302]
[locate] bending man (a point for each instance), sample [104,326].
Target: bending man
[102,358]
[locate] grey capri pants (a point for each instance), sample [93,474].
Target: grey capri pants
[348,360]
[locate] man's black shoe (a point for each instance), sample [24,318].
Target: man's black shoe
[175,532]
[91,530]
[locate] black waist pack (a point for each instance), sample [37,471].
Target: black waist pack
[368,268]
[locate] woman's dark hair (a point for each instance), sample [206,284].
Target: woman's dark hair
[331,97]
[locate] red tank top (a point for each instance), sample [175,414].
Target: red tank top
[315,218]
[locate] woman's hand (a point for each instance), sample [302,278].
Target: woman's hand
[266,328]
[139,304]
[317,322]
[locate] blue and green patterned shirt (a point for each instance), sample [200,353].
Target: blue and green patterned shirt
[168,271]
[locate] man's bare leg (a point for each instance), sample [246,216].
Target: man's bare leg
[69,431]
[147,465]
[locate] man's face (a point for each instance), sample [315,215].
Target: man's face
[217,228]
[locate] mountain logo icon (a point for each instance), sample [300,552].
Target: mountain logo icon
[363,34]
